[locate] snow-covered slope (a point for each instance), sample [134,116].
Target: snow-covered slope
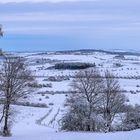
[40,123]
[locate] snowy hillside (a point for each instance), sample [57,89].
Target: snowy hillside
[39,115]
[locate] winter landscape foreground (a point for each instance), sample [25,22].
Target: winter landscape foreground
[39,133]
[38,116]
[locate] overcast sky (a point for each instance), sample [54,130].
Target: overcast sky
[70,24]
[19,1]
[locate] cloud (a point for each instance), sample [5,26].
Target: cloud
[85,19]
[38,1]
[44,16]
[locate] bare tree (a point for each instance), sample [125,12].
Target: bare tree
[112,99]
[1,32]
[88,86]
[14,79]
[95,104]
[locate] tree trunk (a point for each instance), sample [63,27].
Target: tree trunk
[108,121]
[91,126]
[6,131]
[3,113]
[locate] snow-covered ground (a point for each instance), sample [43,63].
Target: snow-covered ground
[27,127]
[36,123]
[39,133]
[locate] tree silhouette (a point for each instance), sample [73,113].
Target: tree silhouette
[1,32]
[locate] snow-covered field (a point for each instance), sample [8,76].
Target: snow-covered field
[36,123]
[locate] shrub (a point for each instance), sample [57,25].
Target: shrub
[51,104]
[132,119]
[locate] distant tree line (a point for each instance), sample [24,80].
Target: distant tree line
[89,51]
[73,66]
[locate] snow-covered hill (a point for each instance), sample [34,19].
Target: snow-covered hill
[43,123]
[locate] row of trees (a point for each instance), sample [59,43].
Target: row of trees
[96,103]
[73,66]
